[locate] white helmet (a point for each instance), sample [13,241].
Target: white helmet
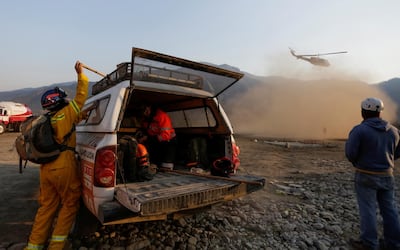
[372,104]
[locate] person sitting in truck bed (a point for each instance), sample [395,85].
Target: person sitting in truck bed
[161,141]
[134,158]
[146,169]
[142,155]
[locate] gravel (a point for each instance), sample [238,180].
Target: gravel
[304,211]
[296,210]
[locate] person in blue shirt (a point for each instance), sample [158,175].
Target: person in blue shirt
[372,147]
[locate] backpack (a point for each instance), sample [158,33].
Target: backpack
[197,153]
[36,143]
[130,168]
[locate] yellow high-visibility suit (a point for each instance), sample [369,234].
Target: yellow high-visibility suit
[60,184]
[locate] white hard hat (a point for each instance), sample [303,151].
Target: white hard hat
[372,104]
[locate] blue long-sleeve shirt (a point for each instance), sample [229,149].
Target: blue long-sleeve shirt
[373,145]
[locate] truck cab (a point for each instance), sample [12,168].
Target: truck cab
[187,91]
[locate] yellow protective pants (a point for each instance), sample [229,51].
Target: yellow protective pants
[60,190]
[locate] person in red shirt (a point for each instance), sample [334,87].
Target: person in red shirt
[161,141]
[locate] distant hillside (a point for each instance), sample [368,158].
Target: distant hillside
[277,106]
[392,89]
[31,96]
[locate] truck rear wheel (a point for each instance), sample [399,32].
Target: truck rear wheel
[85,223]
[2,128]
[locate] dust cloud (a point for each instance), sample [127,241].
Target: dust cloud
[311,109]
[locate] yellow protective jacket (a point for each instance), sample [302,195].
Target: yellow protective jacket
[60,185]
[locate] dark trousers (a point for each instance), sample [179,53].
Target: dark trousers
[163,151]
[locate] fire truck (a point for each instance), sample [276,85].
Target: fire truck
[12,114]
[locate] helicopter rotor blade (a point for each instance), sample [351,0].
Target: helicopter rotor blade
[310,55]
[324,54]
[332,53]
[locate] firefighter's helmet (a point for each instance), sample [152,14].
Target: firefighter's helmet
[54,99]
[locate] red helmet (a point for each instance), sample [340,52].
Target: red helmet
[54,99]
[222,167]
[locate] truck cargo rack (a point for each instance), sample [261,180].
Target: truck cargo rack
[155,67]
[148,73]
[156,74]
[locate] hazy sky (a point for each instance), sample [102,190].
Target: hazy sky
[41,40]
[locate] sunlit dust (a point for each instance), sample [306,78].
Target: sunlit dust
[314,109]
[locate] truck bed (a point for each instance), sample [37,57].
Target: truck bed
[172,193]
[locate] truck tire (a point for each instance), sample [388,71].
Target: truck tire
[85,223]
[2,128]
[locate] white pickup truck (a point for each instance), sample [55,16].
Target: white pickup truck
[188,92]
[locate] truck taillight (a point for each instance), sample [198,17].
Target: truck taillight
[106,160]
[235,155]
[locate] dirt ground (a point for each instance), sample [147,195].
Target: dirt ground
[269,158]
[18,194]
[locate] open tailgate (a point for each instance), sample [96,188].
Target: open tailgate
[175,191]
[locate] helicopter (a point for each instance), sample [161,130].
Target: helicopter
[315,59]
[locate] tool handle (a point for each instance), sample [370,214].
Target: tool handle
[93,70]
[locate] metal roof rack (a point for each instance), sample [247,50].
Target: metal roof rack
[180,71]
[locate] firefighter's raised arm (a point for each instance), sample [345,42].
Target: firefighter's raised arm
[78,67]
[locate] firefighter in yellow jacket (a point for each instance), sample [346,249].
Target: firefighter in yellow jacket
[60,186]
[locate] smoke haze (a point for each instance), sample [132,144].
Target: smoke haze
[315,109]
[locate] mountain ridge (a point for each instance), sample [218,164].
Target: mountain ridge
[31,96]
